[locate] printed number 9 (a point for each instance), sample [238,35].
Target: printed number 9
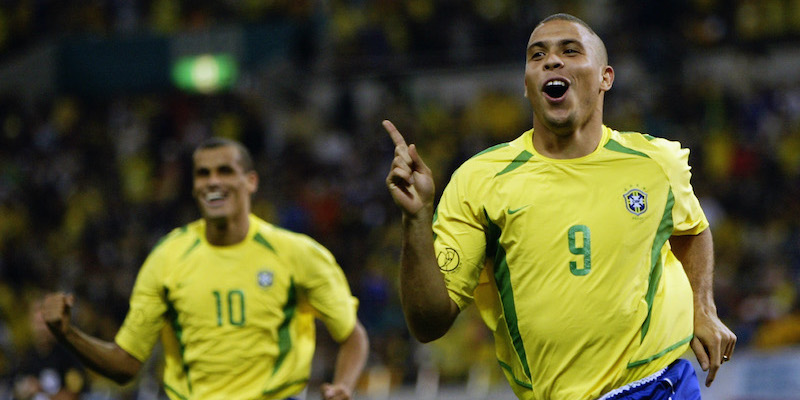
[584,250]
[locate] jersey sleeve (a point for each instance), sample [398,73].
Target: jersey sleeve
[145,319]
[687,215]
[460,238]
[328,290]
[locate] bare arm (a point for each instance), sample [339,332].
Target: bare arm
[350,363]
[104,357]
[428,309]
[713,342]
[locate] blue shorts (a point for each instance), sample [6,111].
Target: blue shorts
[676,382]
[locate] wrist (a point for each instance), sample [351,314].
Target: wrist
[705,308]
[423,216]
[66,334]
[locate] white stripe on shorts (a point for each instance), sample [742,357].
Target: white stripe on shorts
[635,384]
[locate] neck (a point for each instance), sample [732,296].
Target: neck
[227,232]
[572,142]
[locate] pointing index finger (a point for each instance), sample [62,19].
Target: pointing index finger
[397,138]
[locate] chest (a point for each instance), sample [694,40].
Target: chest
[626,194]
[208,287]
[579,215]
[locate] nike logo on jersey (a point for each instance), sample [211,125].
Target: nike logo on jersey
[516,210]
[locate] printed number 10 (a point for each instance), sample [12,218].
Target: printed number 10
[584,250]
[235,299]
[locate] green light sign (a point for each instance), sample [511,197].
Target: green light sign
[205,73]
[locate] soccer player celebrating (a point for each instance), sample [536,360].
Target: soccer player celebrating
[584,248]
[233,299]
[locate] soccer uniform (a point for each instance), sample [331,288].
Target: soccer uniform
[236,322]
[568,261]
[676,382]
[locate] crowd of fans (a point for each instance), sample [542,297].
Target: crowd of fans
[88,185]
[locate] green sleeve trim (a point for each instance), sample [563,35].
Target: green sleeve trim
[502,278]
[656,268]
[192,247]
[284,335]
[172,317]
[160,241]
[490,149]
[435,217]
[644,135]
[521,159]
[175,392]
[635,364]
[284,386]
[175,232]
[517,381]
[615,146]
[258,238]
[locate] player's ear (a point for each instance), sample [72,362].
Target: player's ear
[252,181]
[525,83]
[607,78]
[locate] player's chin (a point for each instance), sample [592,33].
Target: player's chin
[559,122]
[212,214]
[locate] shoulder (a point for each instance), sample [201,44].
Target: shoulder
[282,240]
[494,160]
[668,153]
[179,237]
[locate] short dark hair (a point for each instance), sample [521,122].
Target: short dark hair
[568,17]
[572,18]
[245,159]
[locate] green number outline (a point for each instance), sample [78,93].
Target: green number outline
[585,250]
[230,300]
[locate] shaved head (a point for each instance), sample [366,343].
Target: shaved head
[600,47]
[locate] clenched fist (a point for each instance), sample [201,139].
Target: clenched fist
[57,312]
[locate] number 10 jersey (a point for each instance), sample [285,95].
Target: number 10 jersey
[236,322]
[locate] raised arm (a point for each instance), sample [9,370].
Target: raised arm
[106,358]
[713,342]
[428,309]
[350,361]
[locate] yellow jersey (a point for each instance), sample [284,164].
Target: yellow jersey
[236,322]
[568,260]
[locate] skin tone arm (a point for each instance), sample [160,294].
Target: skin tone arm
[115,363]
[428,309]
[104,357]
[712,339]
[350,363]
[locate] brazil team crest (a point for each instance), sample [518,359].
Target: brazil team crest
[265,278]
[636,201]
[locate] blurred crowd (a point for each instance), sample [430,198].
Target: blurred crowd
[88,185]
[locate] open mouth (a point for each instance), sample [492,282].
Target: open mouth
[555,89]
[214,198]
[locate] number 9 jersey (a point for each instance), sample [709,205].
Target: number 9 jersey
[568,260]
[236,322]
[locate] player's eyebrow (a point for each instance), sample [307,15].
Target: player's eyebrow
[202,171]
[561,43]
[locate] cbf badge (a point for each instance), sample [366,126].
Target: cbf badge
[636,201]
[265,279]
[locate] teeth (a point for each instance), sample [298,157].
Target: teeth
[211,196]
[556,83]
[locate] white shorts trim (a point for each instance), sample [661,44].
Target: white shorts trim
[635,384]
